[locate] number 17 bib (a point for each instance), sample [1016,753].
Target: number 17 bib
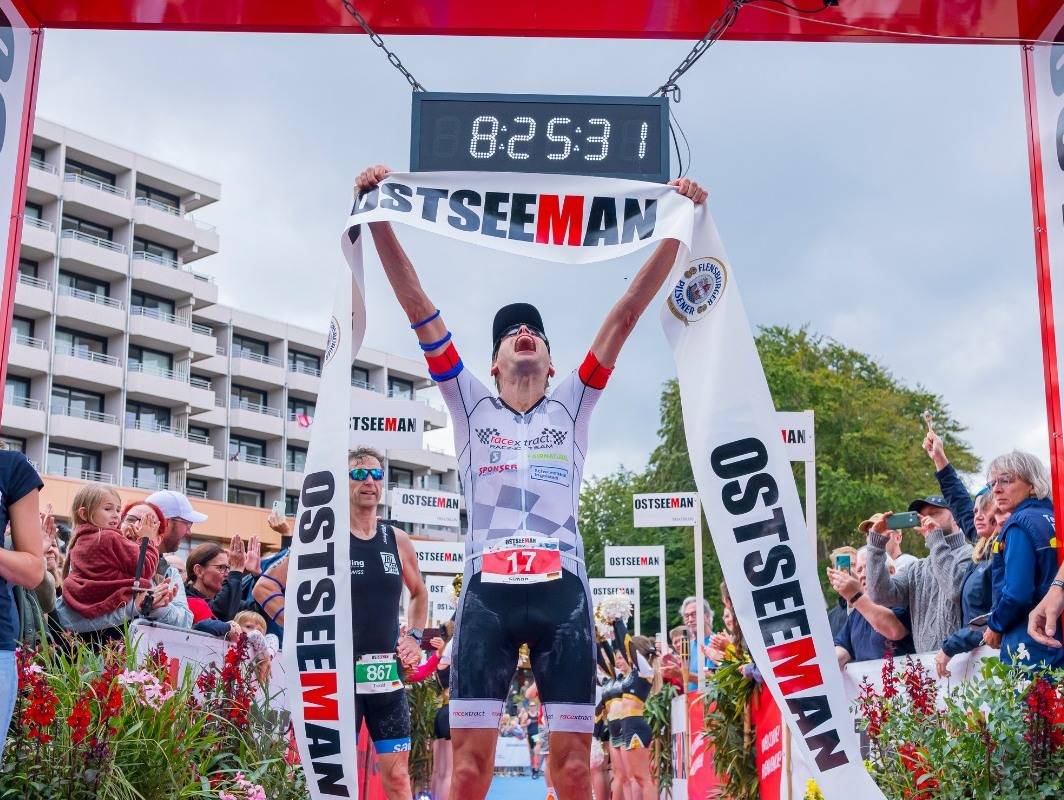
[521,559]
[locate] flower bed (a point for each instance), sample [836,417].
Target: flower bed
[92,723]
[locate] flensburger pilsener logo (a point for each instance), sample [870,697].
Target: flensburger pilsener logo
[551,219]
[644,503]
[634,561]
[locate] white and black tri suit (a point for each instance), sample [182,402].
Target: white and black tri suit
[521,474]
[376,587]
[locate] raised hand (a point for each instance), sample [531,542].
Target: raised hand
[252,564]
[370,177]
[934,449]
[689,189]
[237,555]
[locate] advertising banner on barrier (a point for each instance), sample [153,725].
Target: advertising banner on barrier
[602,588]
[440,558]
[740,465]
[424,507]
[635,560]
[768,738]
[664,510]
[387,423]
[512,753]
[440,589]
[796,431]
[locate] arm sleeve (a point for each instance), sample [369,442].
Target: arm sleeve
[1018,591]
[425,670]
[960,502]
[177,613]
[21,479]
[884,588]
[962,640]
[226,604]
[950,555]
[605,658]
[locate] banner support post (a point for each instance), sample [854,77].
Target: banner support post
[700,595]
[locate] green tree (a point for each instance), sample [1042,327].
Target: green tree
[869,428]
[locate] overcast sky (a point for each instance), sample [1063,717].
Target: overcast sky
[877,193]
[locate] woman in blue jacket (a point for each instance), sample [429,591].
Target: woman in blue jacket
[1027,545]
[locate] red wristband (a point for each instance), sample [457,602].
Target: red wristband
[445,365]
[592,373]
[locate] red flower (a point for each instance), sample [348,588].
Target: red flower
[79,720]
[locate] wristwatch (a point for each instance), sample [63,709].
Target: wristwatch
[855,598]
[1058,583]
[416,634]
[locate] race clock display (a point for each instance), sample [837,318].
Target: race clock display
[612,137]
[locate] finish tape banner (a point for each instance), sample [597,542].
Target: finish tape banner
[740,464]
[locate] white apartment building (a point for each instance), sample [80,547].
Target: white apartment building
[123,367]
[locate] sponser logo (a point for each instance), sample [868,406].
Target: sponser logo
[634,561]
[386,424]
[644,503]
[486,470]
[431,502]
[468,714]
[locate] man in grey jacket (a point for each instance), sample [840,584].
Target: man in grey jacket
[927,588]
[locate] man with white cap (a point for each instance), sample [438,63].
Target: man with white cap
[180,517]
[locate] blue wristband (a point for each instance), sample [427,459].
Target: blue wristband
[426,321]
[439,377]
[434,345]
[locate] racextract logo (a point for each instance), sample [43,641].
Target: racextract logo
[548,437]
[548,219]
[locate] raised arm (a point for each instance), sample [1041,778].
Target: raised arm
[622,318]
[400,272]
[884,588]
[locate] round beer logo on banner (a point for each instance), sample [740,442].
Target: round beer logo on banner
[699,289]
[332,339]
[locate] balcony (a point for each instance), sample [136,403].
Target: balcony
[83,475]
[201,394]
[296,432]
[303,379]
[94,313]
[258,471]
[205,240]
[173,279]
[33,293]
[70,425]
[28,355]
[152,440]
[81,367]
[157,384]
[23,416]
[204,343]
[152,485]
[38,238]
[81,193]
[200,452]
[44,177]
[214,468]
[163,223]
[264,372]
[418,460]
[254,418]
[101,258]
[159,330]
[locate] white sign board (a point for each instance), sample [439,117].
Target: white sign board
[512,752]
[440,608]
[386,423]
[441,558]
[642,560]
[796,430]
[601,588]
[665,510]
[424,507]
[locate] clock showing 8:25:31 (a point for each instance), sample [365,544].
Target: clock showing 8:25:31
[614,137]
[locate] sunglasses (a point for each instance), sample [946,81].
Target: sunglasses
[361,473]
[515,329]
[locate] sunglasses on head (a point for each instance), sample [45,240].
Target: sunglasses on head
[361,473]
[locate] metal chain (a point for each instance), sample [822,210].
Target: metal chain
[374,37]
[716,30]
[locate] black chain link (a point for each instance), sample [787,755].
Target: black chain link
[374,37]
[715,32]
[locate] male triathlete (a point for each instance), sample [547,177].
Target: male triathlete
[382,560]
[520,456]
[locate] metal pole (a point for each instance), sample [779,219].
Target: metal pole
[700,594]
[662,613]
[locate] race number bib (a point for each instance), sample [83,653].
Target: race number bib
[377,673]
[521,559]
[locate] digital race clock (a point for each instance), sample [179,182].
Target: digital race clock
[610,137]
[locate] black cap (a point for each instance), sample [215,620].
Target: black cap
[515,314]
[936,500]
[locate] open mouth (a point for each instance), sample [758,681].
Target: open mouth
[525,344]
